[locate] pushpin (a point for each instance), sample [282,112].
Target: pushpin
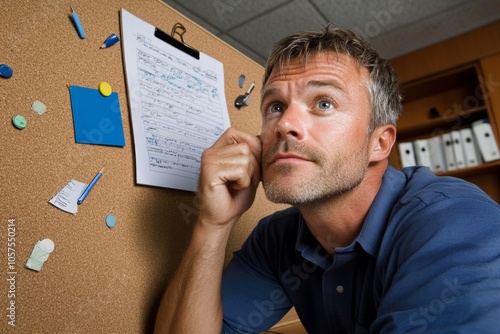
[39,107]
[105,89]
[5,71]
[110,221]
[19,121]
[241,80]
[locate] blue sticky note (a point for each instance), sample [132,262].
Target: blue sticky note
[96,118]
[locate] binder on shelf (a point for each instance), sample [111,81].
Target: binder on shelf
[421,149]
[478,150]
[449,154]
[469,146]
[437,154]
[486,141]
[458,149]
[406,154]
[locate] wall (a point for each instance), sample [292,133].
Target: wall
[97,279]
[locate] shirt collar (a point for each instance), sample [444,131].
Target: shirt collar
[393,183]
[373,228]
[309,247]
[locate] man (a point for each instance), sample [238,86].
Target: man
[364,248]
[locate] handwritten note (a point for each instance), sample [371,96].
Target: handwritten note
[177,103]
[67,198]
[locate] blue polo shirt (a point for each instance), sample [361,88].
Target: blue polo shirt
[427,260]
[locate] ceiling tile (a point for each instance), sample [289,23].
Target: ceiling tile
[371,18]
[227,14]
[449,23]
[243,49]
[259,34]
[395,27]
[192,16]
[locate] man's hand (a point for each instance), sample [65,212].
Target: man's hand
[230,175]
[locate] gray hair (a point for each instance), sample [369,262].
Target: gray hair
[383,83]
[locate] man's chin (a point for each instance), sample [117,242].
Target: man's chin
[284,192]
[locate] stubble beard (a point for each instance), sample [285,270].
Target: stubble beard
[332,178]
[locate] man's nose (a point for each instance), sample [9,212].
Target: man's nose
[291,123]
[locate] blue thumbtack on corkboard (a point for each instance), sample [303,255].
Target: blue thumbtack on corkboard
[97,119]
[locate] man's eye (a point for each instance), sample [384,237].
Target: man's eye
[275,107]
[325,104]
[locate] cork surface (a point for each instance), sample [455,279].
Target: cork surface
[97,280]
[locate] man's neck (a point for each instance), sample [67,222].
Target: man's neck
[336,222]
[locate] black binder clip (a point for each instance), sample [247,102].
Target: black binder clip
[178,29]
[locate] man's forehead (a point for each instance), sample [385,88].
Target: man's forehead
[311,62]
[332,62]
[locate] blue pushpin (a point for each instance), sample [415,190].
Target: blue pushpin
[5,71]
[241,80]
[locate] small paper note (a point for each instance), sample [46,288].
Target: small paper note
[67,198]
[97,119]
[40,254]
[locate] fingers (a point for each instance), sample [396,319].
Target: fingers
[233,160]
[230,174]
[234,136]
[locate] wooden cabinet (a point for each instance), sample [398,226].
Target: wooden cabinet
[450,97]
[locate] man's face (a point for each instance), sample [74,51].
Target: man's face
[315,129]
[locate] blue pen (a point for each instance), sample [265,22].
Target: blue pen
[89,187]
[111,40]
[78,24]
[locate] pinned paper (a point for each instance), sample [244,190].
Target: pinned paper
[97,119]
[40,254]
[67,198]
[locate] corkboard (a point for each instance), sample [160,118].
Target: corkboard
[97,280]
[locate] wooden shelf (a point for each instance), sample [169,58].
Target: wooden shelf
[450,100]
[447,122]
[486,167]
[463,76]
[445,101]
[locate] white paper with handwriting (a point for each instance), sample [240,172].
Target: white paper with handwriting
[66,199]
[177,104]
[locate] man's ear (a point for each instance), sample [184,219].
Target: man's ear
[381,142]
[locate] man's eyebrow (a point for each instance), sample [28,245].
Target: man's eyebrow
[269,91]
[326,83]
[310,84]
